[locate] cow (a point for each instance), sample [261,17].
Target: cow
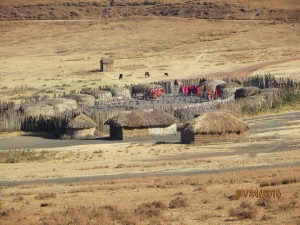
[147,74]
[166,75]
[120,76]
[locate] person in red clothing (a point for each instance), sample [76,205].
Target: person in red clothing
[186,89]
[181,90]
[208,95]
[155,94]
[216,94]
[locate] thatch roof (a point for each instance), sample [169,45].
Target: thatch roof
[36,110]
[61,104]
[246,92]
[216,123]
[81,122]
[120,92]
[98,94]
[144,88]
[228,86]
[142,118]
[82,99]
[106,60]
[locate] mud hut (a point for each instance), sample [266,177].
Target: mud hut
[98,94]
[37,110]
[106,64]
[227,90]
[81,127]
[143,88]
[246,92]
[119,92]
[141,123]
[82,99]
[61,105]
[214,127]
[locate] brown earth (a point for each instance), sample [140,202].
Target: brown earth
[74,10]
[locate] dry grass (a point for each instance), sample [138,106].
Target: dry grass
[43,196]
[150,210]
[279,181]
[179,202]
[107,215]
[244,211]
[73,49]
[131,201]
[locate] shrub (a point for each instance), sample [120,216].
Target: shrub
[244,211]
[178,202]
[45,196]
[267,203]
[150,210]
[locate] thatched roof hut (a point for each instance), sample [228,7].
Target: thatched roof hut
[208,85]
[98,94]
[246,92]
[143,88]
[106,64]
[142,118]
[81,127]
[141,123]
[119,92]
[214,126]
[227,90]
[82,99]
[37,110]
[61,105]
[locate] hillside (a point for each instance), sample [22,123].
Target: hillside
[87,9]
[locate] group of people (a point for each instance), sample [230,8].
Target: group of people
[155,92]
[197,90]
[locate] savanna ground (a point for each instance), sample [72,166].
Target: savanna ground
[149,183]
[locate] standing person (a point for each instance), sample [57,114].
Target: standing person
[181,90]
[216,94]
[186,90]
[176,83]
[208,95]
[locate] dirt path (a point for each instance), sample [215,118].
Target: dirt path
[246,71]
[143,174]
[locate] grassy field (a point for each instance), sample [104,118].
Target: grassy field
[61,56]
[202,199]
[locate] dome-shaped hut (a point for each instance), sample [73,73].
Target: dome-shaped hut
[82,99]
[81,127]
[227,90]
[98,93]
[214,127]
[37,110]
[141,123]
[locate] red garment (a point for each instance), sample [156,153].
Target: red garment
[181,90]
[208,95]
[158,91]
[216,94]
[186,89]
[155,94]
